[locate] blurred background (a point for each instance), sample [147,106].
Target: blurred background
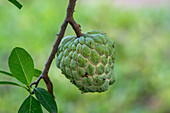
[140,29]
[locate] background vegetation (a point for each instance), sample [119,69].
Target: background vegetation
[142,37]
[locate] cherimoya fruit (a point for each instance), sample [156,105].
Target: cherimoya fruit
[87,61]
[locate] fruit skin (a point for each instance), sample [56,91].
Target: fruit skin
[87,61]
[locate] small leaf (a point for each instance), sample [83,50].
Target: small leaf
[11,83]
[37,73]
[46,99]
[16,3]
[6,73]
[30,105]
[21,65]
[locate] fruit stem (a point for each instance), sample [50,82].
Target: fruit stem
[70,19]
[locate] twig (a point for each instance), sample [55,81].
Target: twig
[69,19]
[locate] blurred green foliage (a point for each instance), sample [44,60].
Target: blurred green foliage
[142,37]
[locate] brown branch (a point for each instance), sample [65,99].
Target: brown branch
[69,19]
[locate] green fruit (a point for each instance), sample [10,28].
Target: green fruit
[87,61]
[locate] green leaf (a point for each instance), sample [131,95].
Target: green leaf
[37,73]
[30,105]
[46,99]
[21,65]
[16,3]
[11,83]
[6,73]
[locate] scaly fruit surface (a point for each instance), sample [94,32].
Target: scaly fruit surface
[87,61]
